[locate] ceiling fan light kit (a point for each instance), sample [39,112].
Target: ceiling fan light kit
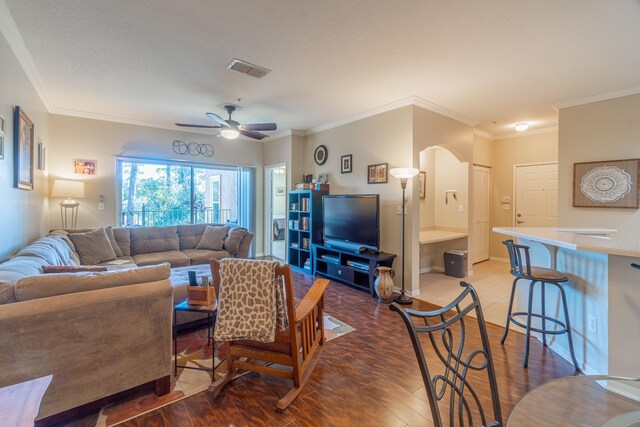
[231,129]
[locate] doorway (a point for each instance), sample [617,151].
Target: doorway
[536,195]
[276,211]
[481,207]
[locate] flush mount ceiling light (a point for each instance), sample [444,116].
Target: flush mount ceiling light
[521,127]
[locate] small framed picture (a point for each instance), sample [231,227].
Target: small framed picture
[423,184]
[84,167]
[2,120]
[42,156]
[378,174]
[23,146]
[345,162]
[279,191]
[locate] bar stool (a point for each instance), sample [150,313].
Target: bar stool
[521,269]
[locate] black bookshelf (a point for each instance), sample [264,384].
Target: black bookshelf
[353,269]
[305,226]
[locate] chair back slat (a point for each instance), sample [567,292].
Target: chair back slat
[450,381]
[519,258]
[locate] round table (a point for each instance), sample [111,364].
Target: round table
[586,400]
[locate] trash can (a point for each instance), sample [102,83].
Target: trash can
[455,263]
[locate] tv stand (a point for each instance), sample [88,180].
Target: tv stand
[353,269]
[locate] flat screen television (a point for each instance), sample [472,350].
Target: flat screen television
[353,219]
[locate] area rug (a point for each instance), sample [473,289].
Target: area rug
[192,351]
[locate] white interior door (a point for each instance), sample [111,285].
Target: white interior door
[481,207]
[536,190]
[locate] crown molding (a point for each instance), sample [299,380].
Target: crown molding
[16,43]
[123,120]
[595,98]
[412,100]
[526,133]
[484,134]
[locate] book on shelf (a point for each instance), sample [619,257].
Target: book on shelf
[307,264]
[304,223]
[304,204]
[295,245]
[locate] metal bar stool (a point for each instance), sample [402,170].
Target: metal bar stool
[521,269]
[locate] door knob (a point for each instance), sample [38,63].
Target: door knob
[519,222]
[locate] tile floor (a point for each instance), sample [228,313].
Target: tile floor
[490,278]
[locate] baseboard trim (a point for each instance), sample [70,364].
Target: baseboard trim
[425,270]
[414,293]
[495,258]
[566,355]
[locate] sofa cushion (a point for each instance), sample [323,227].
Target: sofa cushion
[114,243]
[213,238]
[202,256]
[48,285]
[149,240]
[121,263]
[175,258]
[190,235]
[123,237]
[235,236]
[93,247]
[7,292]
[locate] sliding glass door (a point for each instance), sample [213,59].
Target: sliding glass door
[156,193]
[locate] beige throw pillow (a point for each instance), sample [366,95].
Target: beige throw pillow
[213,238]
[232,242]
[112,240]
[93,247]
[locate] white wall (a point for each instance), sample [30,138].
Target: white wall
[279,200]
[79,138]
[25,214]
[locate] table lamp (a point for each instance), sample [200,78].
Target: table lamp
[69,190]
[403,174]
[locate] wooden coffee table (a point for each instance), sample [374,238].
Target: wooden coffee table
[211,311]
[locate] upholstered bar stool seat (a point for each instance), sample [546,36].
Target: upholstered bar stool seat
[521,268]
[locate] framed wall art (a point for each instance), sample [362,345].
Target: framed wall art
[423,184]
[23,134]
[2,121]
[42,156]
[378,174]
[84,167]
[279,191]
[320,155]
[606,184]
[345,163]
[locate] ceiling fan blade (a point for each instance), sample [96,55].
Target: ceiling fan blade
[216,118]
[252,134]
[187,125]
[258,126]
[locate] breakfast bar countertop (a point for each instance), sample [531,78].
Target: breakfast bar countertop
[600,240]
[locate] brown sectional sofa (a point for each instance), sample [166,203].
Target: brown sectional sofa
[97,333]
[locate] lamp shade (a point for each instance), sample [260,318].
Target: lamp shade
[68,189]
[404,173]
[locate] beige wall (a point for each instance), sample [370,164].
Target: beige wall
[528,149]
[80,138]
[24,213]
[482,151]
[384,138]
[606,130]
[427,211]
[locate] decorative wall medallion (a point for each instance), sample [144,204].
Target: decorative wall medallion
[320,155]
[192,148]
[606,184]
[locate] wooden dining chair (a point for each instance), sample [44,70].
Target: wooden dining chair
[295,351]
[448,383]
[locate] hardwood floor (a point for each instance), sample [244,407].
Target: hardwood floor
[369,377]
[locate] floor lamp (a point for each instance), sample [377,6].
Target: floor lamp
[68,208]
[403,174]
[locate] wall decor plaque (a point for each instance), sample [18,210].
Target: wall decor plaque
[606,184]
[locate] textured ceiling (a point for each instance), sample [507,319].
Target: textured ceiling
[162,61]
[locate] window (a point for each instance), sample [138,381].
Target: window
[156,193]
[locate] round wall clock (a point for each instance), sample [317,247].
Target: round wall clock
[320,155]
[606,184]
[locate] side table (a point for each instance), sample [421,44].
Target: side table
[211,311]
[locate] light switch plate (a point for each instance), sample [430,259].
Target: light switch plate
[506,206]
[505,199]
[460,208]
[100,206]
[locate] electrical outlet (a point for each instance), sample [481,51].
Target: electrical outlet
[506,206]
[100,206]
[399,210]
[592,324]
[460,208]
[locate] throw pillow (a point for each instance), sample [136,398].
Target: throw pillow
[93,247]
[232,242]
[213,238]
[48,269]
[114,243]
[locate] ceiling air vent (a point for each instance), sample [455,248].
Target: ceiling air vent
[244,67]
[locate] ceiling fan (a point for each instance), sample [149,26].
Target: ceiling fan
[231,129]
